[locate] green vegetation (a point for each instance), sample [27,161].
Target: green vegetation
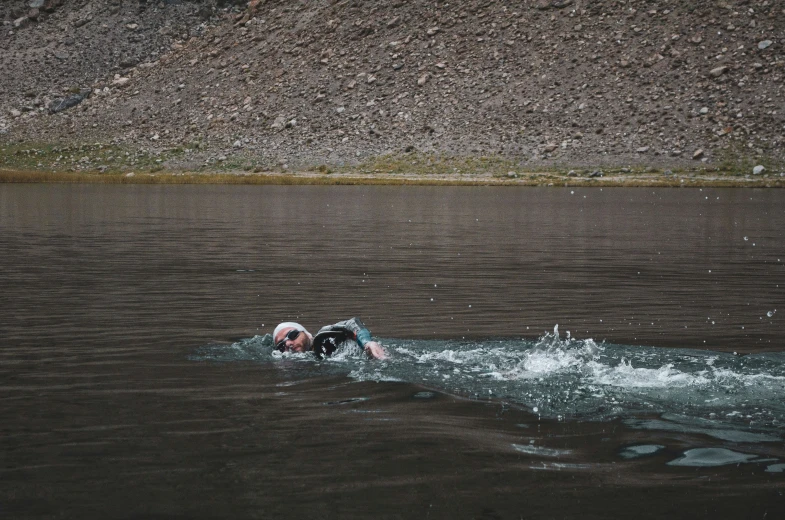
[192,164]
[214,178]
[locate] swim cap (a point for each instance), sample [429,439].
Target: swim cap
[289,325]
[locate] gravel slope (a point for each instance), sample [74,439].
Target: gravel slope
[542,82]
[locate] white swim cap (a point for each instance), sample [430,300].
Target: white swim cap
[289,325]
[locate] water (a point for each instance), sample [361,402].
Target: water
[137,380]
[572,379]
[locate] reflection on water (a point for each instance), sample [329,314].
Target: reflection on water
[112,405]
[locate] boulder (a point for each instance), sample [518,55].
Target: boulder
[120,81]
[765,44]
[58,105]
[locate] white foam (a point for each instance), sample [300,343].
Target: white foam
[540,451]
[625,375]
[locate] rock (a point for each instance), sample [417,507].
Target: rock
[765,44]
[512,174]
[15,113]
[36,4]
[758,170]
[371,79]
[58,105]
[596,173]
[397,66]
[279,123]
[667,173]
[642,149]
[422,80]
[291,123]
[238,144]
[552,4]
[697,154]
[130,174]
[61,54]
[432,31]
[704,111]
[21,22]
[132,26]
[51,5]
[120,81]
[82,21]
[33,14]
[719,71]
[550,147]
[127,63]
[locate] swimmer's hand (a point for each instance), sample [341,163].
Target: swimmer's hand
[375,351]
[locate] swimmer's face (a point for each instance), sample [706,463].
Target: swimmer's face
[302,343]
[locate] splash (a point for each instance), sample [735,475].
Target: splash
[565,377]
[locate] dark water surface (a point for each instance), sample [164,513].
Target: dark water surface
[136,380]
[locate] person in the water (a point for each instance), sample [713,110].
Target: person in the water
[293,337]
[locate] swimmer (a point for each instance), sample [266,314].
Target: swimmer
[293,337]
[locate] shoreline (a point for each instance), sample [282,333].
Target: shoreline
[358,177]
[99,163]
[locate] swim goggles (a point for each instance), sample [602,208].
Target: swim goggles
[291,335]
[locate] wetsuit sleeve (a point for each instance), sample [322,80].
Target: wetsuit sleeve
[358,329]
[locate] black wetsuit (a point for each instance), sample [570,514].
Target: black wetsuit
[330,337]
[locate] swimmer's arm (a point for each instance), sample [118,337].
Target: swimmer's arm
[375,351]
[363,336]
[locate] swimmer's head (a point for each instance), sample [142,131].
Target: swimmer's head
[292,337]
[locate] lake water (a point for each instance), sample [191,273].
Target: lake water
[556,352]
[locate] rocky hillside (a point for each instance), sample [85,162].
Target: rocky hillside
[308,82]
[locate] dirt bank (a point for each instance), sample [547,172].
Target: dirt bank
[295,84]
